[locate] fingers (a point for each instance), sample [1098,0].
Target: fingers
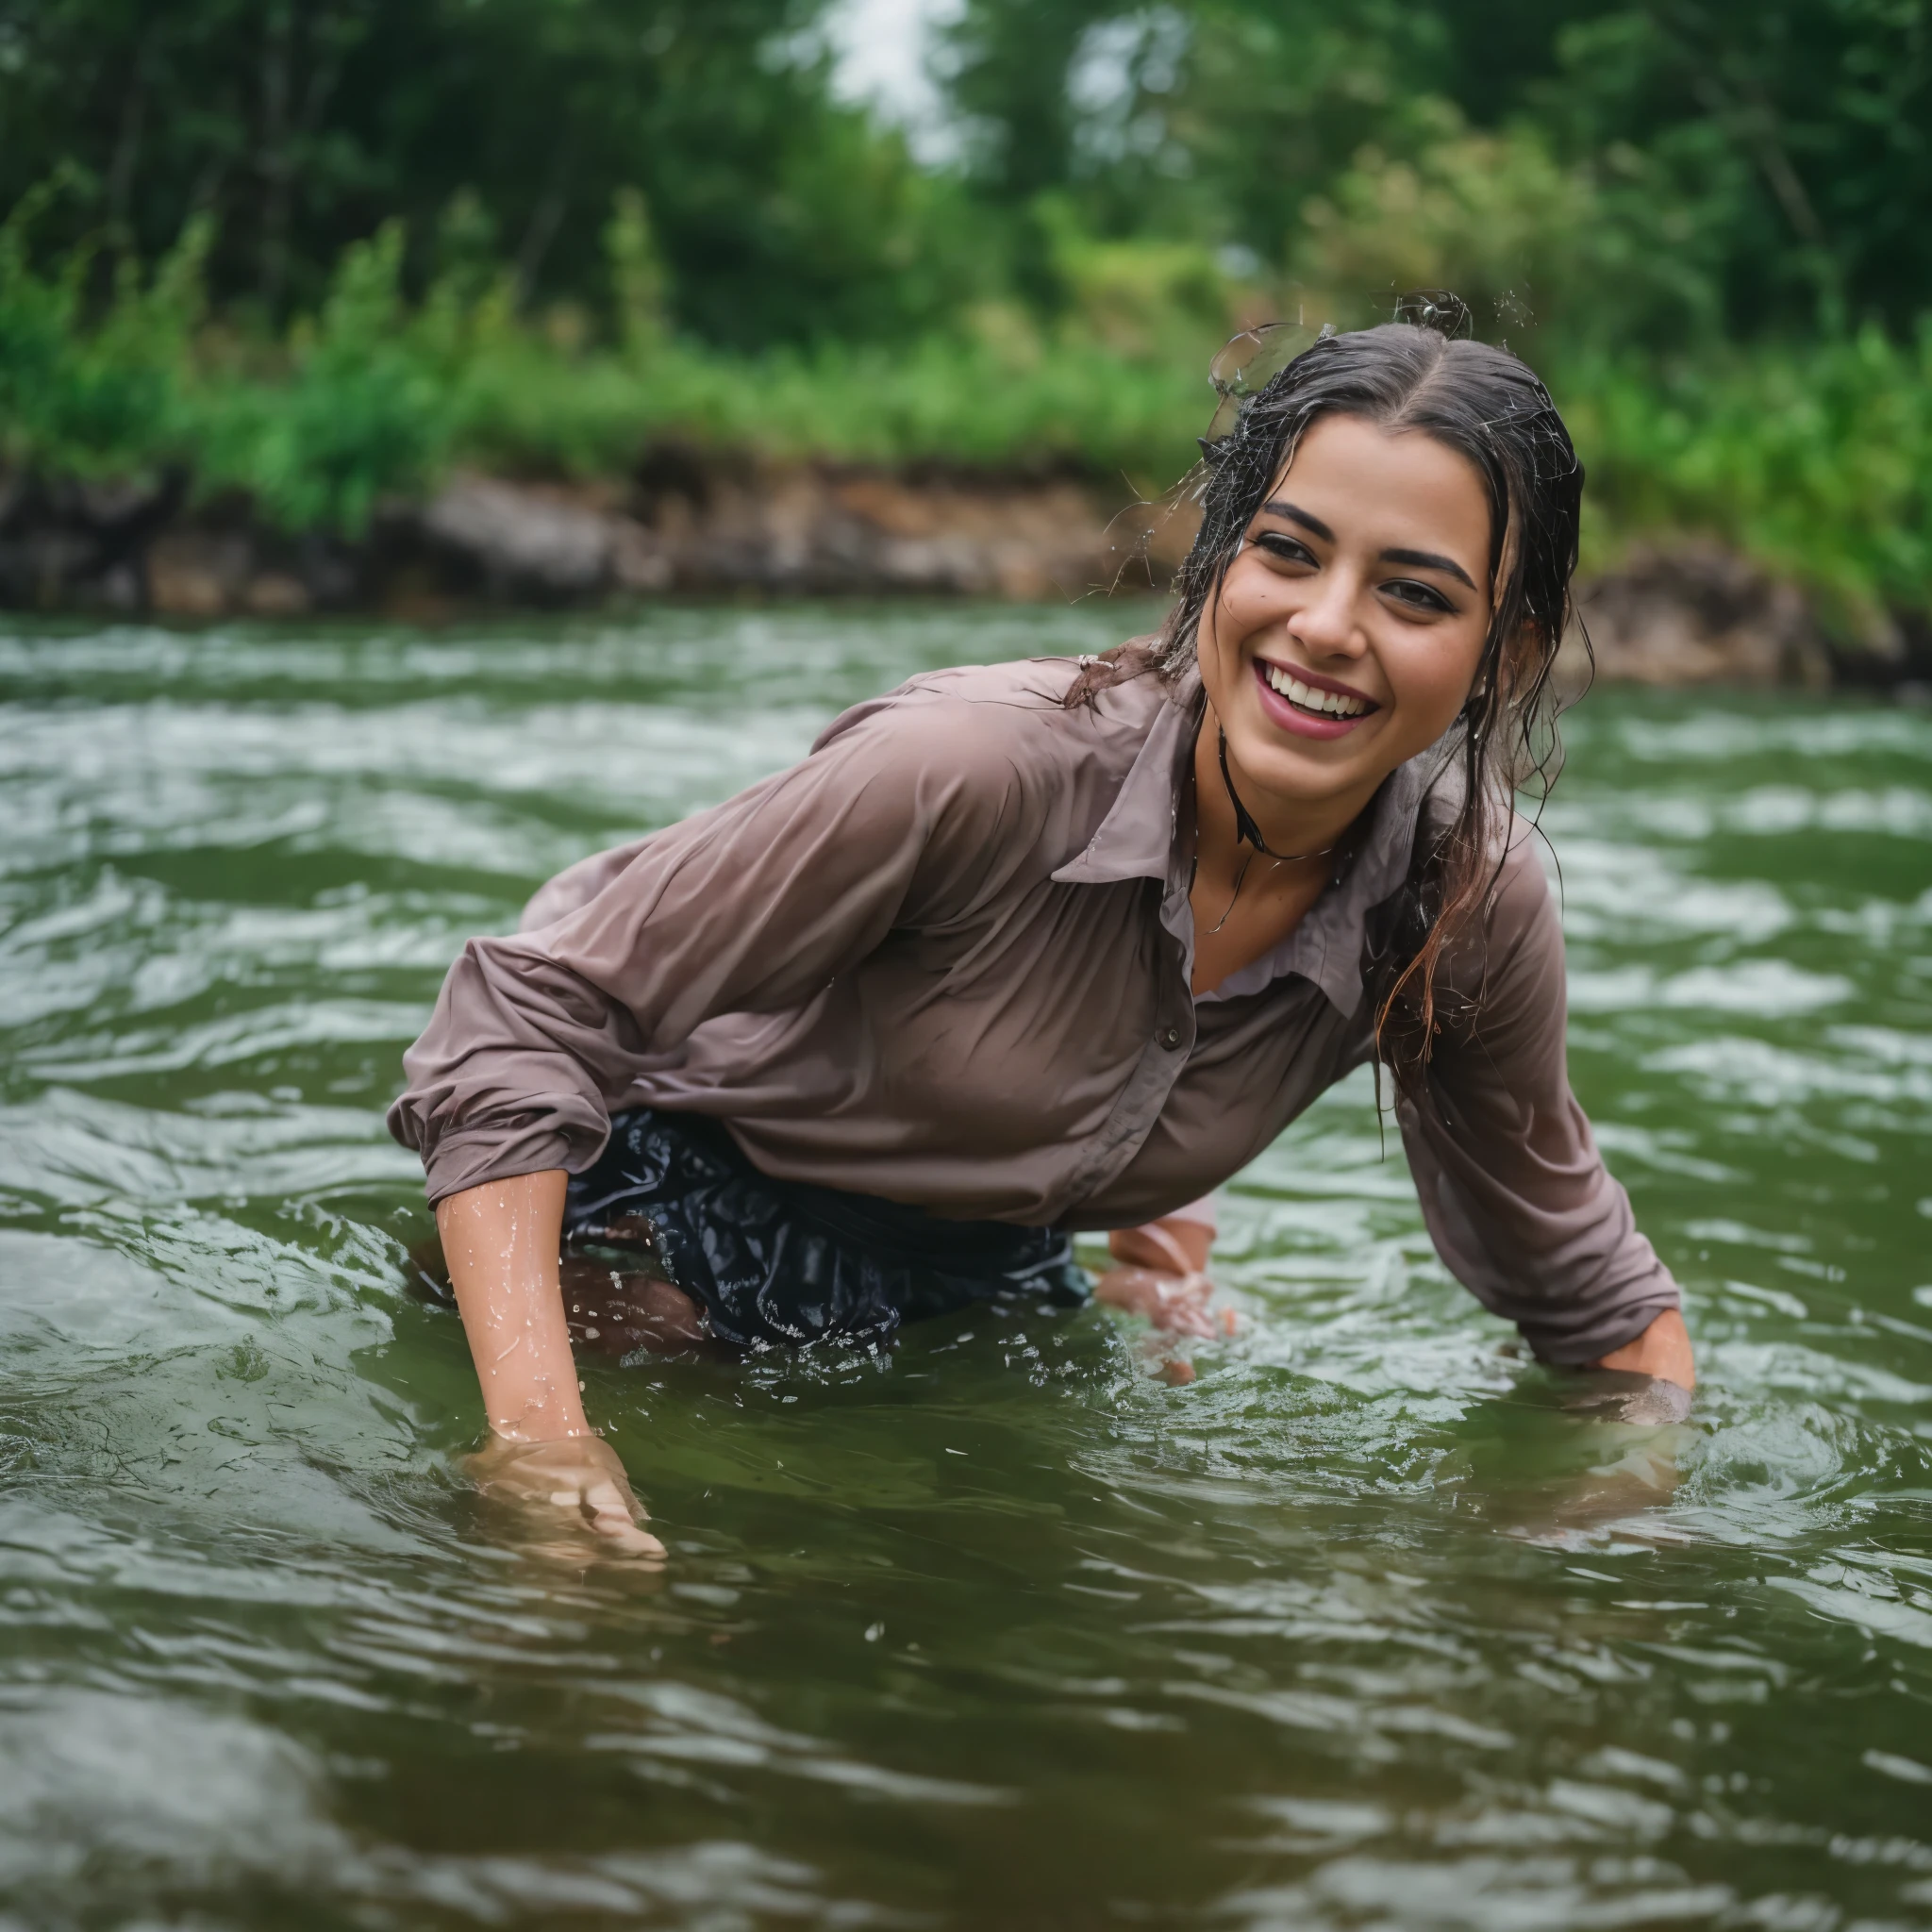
[1183,1306]
[625,1538]
[1177,1320]
[604,1503]
[1178,1303]
[578,1482]
[615,1514]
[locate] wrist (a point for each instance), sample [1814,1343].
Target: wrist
[1663,1350]
[540,1426]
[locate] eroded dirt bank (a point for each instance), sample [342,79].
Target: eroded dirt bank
[689,526]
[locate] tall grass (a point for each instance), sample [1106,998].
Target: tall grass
[377,395]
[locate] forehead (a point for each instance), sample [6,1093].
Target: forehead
[1378,482]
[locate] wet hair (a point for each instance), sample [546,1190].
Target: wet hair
[1490,407]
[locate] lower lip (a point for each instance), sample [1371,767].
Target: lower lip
[1303,723]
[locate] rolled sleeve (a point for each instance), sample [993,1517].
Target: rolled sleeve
[1517,1198]
[752,906]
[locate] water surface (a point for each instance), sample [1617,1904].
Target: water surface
[1368,1626]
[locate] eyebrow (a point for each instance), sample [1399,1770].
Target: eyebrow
[1421,560]
[1315,525]
[1427,559]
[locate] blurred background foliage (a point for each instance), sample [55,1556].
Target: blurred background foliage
[323,249]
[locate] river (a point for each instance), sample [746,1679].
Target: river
[1370,1624]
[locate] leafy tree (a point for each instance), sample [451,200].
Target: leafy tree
[301,126]
[1792,136]
[1754,165]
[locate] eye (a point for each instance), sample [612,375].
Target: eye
[1421,596]
[1288,549]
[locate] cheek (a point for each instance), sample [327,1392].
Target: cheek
[1430,672]
[1250,597]
[1230,619]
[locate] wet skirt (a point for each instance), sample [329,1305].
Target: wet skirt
[778,1264]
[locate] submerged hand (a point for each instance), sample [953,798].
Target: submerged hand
[576,1483]
[1181,1303]
[1162,1276]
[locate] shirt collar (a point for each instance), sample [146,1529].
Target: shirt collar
[1137,840]
[1326,946]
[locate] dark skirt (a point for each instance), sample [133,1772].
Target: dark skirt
[778,1264]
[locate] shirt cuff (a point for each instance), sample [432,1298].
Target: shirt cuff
[473,1156]
[1577,1344]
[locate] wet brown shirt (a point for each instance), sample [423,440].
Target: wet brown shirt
[946,960]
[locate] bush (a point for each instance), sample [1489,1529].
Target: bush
[1527,242]
[359,413]
[99,400]
[1815,461]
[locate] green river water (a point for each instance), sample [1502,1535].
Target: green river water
[1370,1624]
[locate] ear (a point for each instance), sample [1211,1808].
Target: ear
[1532,649]
[1512,661]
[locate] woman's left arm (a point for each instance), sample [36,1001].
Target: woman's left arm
[1160,1272]
[1516,1195]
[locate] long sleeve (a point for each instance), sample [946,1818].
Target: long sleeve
[1517,1198]
[752,908]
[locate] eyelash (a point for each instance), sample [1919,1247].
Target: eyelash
[1290,551]
[1431,598]
[1275,544]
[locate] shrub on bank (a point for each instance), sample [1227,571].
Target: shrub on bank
[1816,461]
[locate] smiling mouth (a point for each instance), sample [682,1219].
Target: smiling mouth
[1313,699]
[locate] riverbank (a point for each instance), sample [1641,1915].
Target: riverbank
[686,525]
[1755,513]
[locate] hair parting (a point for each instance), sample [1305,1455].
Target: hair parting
[1490,407]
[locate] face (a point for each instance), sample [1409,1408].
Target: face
[1349,628]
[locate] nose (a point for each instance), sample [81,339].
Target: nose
[1328,626]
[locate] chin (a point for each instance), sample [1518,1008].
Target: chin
[1310,768]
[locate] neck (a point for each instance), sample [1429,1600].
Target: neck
[1288,825]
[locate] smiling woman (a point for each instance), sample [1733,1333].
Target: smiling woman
[1027,949]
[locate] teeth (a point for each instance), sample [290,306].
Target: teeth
[1310,699]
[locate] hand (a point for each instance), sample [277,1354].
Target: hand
[576,1484]
[1163,1277]
[1663,1350]
[1181,1303]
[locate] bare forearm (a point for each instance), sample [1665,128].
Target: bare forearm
[1177,1245]
[501,1243]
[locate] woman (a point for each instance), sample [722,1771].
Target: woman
[1031,948]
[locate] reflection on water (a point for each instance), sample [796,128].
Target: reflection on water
[1369,1625]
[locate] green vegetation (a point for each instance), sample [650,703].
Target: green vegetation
[322,250]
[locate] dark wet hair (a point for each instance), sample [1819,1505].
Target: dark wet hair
[1490,407]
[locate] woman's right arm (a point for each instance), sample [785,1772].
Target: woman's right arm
[752,906]
[501,1242]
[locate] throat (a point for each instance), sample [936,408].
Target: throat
[1233,930]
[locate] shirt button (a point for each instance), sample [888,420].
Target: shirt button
[1170,1037]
